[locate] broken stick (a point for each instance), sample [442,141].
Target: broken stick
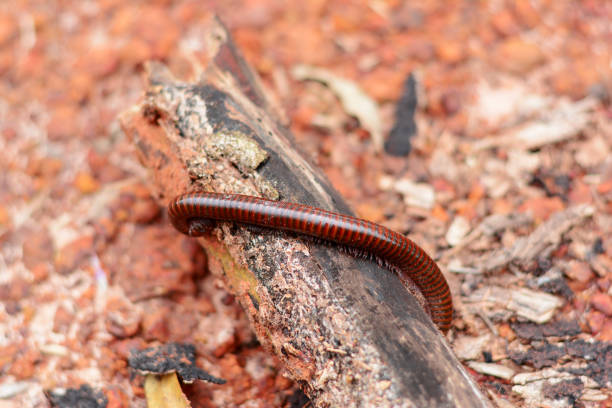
[346,329]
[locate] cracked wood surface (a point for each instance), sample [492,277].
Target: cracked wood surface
[344,328]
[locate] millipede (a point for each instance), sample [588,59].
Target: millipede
[192,213]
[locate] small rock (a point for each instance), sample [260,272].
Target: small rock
[605,334]
[99,61]
[24,364]
[506,332]
[518,56]
[580,193]
[4,216]
[47,167]
[122,317]
[450,101]
[542,207]
[596,321]
[602,302]
[62,125]
[117,398]
[37,248]
[85,183]
[604,187]
[145,211]
[504,23]
[370,212]
[416,194]
[579,78]
[451,52]
[9,27]
[155,324]
[105,229]
[70,256]
[525,13]
[457,231]
[383,83]
[40,272]
[602,265]
[579,271]
[471,348]
[62,320]
[103,169]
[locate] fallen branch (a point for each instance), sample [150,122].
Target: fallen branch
[345,328]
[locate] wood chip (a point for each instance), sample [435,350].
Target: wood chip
[563,123]
[496,370]
[54,350]
[471,348]
[11,389]
[525,378]
[547,236]
[491,225]
[457,230]
[535,306]
[593,395]
[416,194]
[499,105]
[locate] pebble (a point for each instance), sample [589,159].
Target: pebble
[596,321]
[85,183]
[451,52]
[579,271]
[602,302]
[416,194]
[457,230]
[517,56]
[37,248]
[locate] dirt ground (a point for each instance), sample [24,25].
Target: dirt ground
[507,183]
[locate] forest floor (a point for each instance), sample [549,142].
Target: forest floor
[507,183]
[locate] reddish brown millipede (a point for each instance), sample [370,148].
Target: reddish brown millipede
[189,213]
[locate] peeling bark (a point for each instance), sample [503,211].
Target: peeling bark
[345,328]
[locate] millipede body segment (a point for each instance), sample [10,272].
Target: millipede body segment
[190,212]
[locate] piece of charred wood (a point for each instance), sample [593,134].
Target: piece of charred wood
[345,328]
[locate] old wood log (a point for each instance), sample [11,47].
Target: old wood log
[345,328]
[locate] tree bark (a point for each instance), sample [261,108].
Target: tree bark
[346,329]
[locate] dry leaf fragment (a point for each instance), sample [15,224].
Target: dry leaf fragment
[562,123]
[535,306]
[499,106]
[546,237]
